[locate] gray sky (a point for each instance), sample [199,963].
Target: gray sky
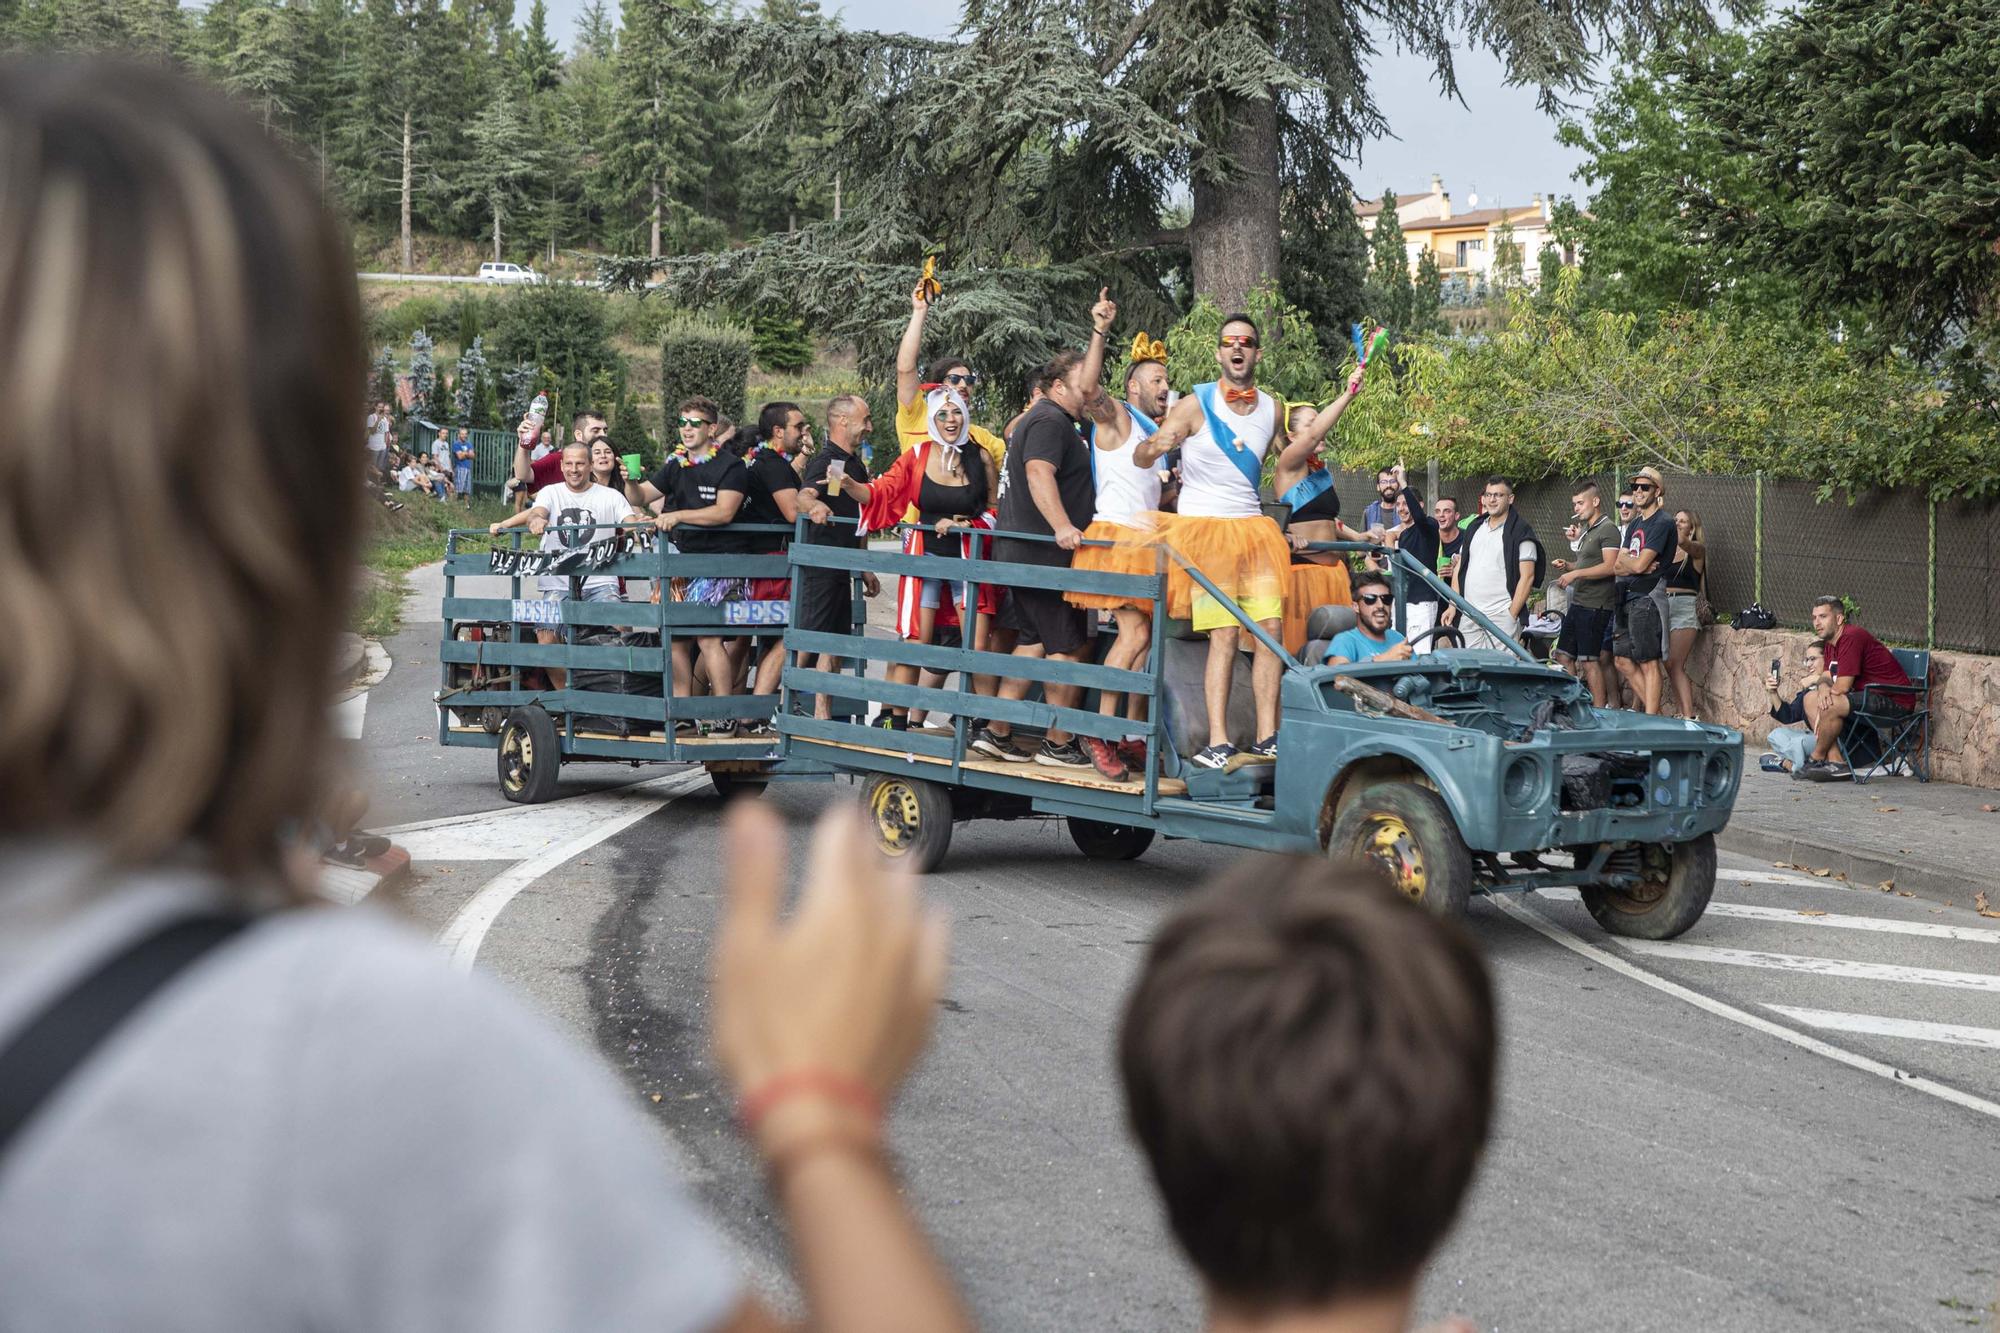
[1496,144]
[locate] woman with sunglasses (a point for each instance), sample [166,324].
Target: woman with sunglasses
[949,494]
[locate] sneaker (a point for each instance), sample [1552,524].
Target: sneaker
[1105,760]
[985,741]
[1266,748]
[1215,756]
[722,727]
[758,727]
[1819,770]
[1067,755]
[1773,763]
[1133,753]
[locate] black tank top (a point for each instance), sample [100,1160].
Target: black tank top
[1684,577]
[935,500]
[1322,508]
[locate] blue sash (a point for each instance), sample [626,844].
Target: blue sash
[1247,463]
[1145,423]
[1315,483]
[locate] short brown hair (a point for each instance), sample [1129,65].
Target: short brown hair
[172,663]
[699,404]
[1308,1062]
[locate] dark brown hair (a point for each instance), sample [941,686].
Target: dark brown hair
[178,308]
[699,404]
[1308,1062]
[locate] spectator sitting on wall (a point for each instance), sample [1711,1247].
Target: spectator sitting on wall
[1855,660]
[1791,740]
[1307,1061]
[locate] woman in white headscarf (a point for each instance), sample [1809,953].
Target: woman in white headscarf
[950,487]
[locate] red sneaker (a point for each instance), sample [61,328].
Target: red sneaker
[1133,753]
[1104,759]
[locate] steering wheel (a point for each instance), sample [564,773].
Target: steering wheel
[1438,632]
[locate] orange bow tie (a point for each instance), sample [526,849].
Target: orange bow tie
[1239,395]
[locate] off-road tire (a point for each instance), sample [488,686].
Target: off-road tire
[1681,877]
[1108,842]
[530,755]
[911,817]
[1407,831]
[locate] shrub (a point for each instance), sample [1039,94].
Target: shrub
[705,357]
[395,324]
[563,330]
[780,342]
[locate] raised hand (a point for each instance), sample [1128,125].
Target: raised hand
[1105,312]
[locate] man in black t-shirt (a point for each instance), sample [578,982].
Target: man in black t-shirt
[1638,640]
[825,603]
[773,500]
[1047,489]
[697,492]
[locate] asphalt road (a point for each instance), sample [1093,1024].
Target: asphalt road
[1787,1120]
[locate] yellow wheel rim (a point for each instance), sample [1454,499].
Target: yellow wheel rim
[897,816]
[1387,841]
[517,751]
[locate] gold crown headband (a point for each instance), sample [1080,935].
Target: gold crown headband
[1148,349]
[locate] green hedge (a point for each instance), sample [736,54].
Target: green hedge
[706,358]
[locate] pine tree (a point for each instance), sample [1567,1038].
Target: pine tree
[474,383]
[1426,295]
[1509,264]
[596,36]
[504,161]
[537,63]
[1388,293]
[655,143]
[263,66]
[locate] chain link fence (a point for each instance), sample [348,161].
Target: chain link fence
[1920,572]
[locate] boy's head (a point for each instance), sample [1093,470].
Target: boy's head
[1308,1063]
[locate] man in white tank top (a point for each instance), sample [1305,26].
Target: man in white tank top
[1225,431]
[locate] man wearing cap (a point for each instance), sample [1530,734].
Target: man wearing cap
[1639,630]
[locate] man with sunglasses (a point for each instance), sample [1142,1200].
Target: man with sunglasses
[1639,633]
[1373,638]
[1225,430]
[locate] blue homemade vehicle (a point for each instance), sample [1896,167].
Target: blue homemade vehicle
[1455,771]
[616,701]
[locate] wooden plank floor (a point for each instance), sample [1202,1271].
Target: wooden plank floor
[1061,777]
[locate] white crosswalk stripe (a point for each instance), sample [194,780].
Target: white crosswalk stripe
[1830,967]
[1875,1025]
[1793,916]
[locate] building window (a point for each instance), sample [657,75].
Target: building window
[1466,248]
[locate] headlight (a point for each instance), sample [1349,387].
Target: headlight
[1716,777]
[1522,783]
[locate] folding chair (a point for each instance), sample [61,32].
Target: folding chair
[1877,736]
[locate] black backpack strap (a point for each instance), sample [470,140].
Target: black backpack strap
[60,1038]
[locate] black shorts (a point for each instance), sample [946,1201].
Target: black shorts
[1638,635]
[1041,615]
[825,603]
[1585,632]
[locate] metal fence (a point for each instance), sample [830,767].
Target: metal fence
[491,466]
[1922,572]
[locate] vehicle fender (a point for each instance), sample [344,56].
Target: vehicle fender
[1388,760]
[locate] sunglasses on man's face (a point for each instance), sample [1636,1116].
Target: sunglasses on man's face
[1236,340]
[1626,504]
[1377,598]
[969,378]
[1642,485]
[695,421]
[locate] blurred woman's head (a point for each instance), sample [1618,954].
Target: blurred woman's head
[181,313]
[604,464]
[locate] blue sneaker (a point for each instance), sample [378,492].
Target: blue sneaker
[1215,756]
[1265,749]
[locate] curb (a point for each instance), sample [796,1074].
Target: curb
[1931,883]
[347,885]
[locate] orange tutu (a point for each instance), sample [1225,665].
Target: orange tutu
[1133,554]
[1244,557]
[1313,586]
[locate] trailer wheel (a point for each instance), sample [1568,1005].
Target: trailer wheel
[530,755]
[1408,831]
[1677,879]
[912,819]
[729,786]
[1108,842]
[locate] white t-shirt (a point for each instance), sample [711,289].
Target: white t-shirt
[1489,581]
[1212,486]
[598,507]
[378,432]
[406,477]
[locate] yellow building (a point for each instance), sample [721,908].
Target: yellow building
[1464,243]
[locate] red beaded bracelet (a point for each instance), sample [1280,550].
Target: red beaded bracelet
[759,1102]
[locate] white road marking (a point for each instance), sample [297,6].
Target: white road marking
[1792,916]
[467,930]
[1826,967]
[1874,1025]
[1605,958]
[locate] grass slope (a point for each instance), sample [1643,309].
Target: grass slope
[399,542]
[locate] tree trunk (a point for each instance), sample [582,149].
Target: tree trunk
[836,196]
[496,235]
[409,254]
[654,252]
[1234,238]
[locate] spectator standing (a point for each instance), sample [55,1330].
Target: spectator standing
[1590,578]
[462,454]
[1451,537]
[1639,634]
[1496,571]
[1418,533]
[1627,507]
[1381,511]
[1687,584]
[380,423]
[1855,660]
[441,449]
[249,1090]
[1308,1065]
[837,477]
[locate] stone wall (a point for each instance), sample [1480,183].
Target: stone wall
[1729,666]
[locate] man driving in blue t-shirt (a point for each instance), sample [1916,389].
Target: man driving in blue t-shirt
[1371,640]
